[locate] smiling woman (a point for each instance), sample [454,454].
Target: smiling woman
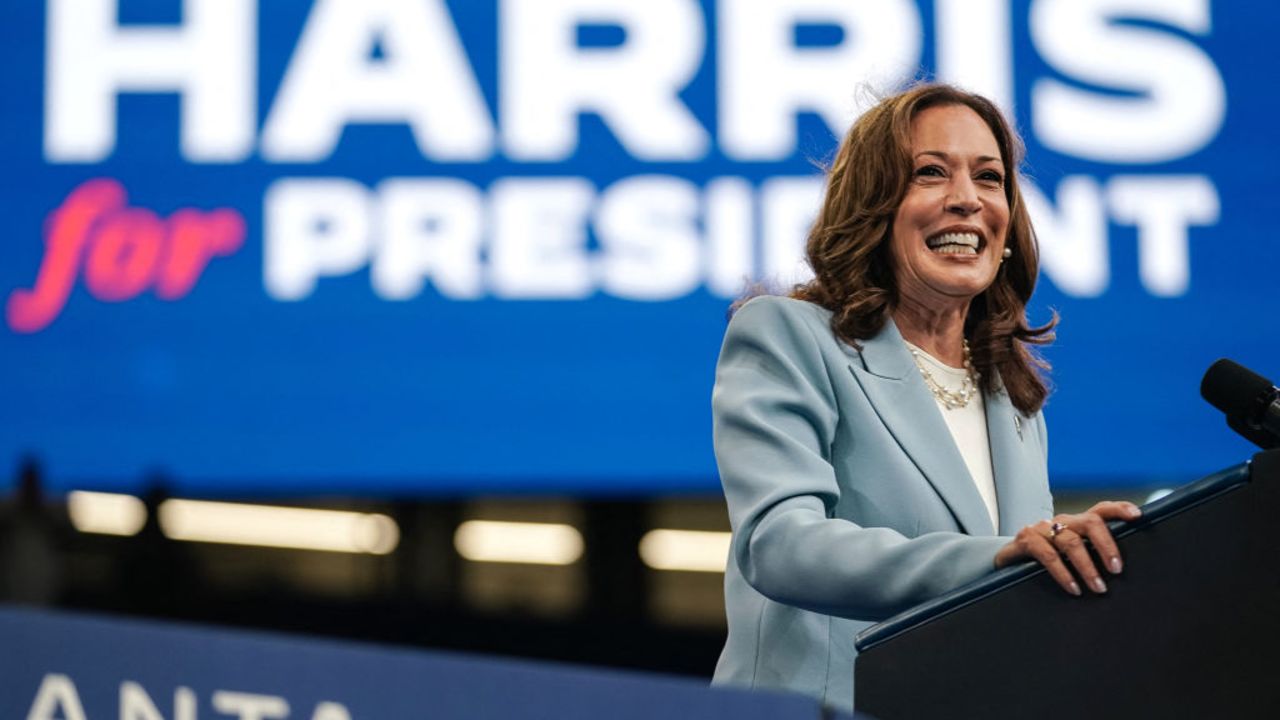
[921,164]
[879,434]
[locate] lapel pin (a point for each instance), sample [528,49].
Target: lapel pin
[1017,426]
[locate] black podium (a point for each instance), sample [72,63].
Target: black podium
[1190,629]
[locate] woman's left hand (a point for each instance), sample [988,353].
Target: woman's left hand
[1057,542]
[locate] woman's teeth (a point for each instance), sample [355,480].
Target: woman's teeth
[954,244]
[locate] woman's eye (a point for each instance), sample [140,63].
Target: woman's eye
[930,171]
[991,176]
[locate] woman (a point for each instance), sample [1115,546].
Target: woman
[879,433]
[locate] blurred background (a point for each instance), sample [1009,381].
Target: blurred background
[397,319]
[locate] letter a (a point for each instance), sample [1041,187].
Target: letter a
[56,692]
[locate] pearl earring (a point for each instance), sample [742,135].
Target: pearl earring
[1008,253]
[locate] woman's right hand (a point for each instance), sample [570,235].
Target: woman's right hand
[1057,542]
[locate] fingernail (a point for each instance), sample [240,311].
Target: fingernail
[1134,511]
[1116,566]
[1099,585]
[1075,588]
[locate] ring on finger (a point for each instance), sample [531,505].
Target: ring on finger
[1056,529]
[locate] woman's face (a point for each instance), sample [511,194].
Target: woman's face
[949,232]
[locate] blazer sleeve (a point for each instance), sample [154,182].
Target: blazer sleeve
[775,416]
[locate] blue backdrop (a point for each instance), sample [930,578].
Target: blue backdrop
[423,246]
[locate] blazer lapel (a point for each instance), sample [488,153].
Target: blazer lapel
[891,381]
[1013,459]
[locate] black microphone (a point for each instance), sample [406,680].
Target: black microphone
[1250,401]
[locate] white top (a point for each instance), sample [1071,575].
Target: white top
[968,427]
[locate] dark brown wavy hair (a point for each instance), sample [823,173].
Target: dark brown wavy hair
[848,247]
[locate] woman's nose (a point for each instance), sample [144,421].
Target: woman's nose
[963,198]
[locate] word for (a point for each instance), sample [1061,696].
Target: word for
[120,252]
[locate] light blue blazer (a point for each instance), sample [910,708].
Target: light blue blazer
[848,497]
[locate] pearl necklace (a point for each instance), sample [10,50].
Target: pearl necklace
[950,399]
